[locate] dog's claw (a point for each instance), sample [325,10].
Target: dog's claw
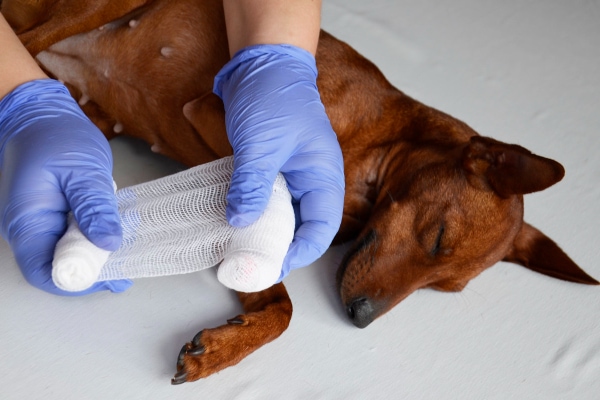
[196,351]
[179,378]
[196,339]
[235,321]
[181,355]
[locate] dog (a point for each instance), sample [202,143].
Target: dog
[429,203]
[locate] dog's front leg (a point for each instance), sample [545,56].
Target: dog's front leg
[267,315]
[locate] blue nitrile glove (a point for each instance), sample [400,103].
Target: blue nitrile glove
[276,122]
[53,160]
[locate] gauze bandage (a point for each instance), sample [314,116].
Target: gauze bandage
[177,225]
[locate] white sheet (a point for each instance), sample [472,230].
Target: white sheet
[522,72]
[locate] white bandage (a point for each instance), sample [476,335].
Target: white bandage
[177,225]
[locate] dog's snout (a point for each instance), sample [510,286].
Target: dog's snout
[361,312]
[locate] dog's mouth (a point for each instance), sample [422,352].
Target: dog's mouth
[360,308]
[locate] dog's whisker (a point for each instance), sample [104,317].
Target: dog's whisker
[390,195]
[471,290]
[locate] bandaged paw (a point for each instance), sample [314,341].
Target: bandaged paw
[259,245]
[177,225]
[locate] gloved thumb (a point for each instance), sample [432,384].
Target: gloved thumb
[249,194]
[94,205]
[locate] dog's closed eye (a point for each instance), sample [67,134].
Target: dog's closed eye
[438,241]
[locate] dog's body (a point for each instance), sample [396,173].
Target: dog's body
[431,203]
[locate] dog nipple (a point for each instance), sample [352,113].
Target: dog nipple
[155,148]
[166,51]
[118,128]
[83,100]
[133,23]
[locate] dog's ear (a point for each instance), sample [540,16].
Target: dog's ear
[508,169]
[537,252]
[207,116]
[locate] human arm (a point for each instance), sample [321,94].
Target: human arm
[16,65]
[52,160]
[276,121]
[292,22]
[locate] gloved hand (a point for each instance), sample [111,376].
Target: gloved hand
[275,121]
[53,160]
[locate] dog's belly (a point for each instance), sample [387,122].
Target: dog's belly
[134,75]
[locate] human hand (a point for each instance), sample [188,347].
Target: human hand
[53,160]
[276,122]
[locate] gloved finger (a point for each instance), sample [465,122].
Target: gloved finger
[321,214]
[91,198]
[33,246]
[249,194]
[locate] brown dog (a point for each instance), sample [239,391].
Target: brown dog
[429,202]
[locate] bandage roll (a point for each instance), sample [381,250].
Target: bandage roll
[77,261]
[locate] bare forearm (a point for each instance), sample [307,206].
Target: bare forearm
[16,65]
[294,22]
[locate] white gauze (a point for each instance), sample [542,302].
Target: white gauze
[176,225]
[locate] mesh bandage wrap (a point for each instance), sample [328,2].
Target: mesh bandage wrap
[177,225]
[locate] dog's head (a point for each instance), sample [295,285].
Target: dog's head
[443,213]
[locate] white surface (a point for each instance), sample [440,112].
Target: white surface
[523,72]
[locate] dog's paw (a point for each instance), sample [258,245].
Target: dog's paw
[213,350]
[268,314]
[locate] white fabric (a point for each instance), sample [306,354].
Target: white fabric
[176,225]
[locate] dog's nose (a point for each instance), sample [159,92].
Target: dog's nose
[361,312]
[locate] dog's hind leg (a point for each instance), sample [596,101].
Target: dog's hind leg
[69,17]
[267,316]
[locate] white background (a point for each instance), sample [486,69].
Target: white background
[525,72]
